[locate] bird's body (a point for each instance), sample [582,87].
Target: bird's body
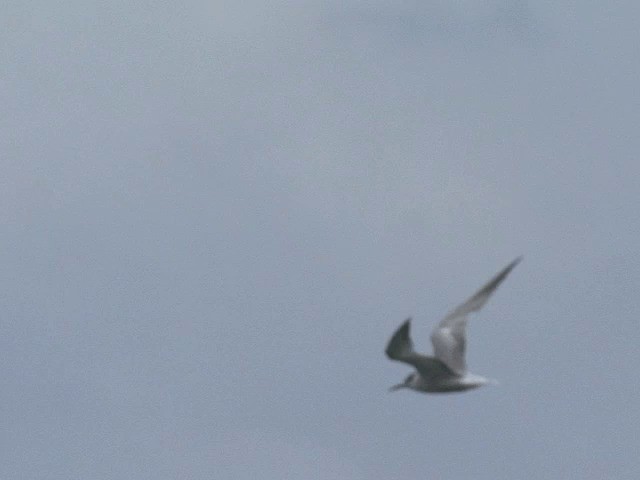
[446,371]
[444,384]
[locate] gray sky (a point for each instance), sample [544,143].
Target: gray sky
[215,215]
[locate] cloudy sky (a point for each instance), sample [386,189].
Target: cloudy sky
[214,214]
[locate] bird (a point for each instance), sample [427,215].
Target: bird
[445,371]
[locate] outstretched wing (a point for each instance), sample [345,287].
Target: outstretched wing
[449,337]
[400,348]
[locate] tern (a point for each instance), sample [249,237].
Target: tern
[446,371]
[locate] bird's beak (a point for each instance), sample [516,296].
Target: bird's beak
[397,387]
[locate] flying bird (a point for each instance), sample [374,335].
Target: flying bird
[446,371]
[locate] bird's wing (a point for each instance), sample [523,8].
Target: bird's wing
[449,337]
[400,348]
[430,368]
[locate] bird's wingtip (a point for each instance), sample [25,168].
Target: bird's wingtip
[400,344]
[513,264]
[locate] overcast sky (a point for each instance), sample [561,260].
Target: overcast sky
[214,215]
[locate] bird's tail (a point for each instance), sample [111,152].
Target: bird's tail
[400,346]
